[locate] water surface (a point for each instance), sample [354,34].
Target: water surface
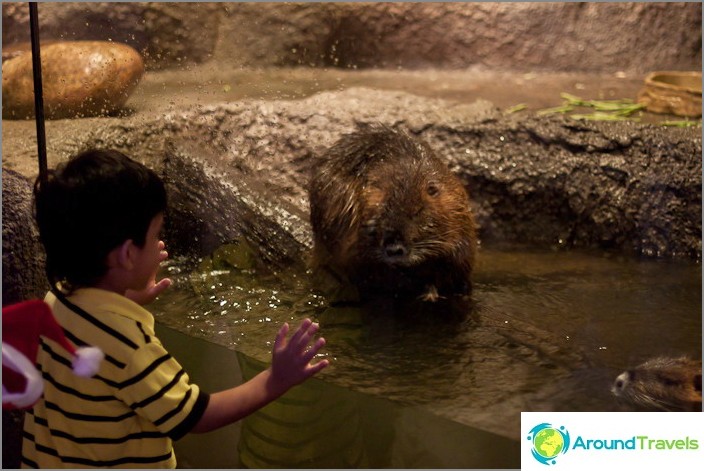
[544,329]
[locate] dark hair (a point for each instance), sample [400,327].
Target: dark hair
[90,205]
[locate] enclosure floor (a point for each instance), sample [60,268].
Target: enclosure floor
[208,84]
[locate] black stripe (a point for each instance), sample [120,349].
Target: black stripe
[46,450]
[175,410]
[144,373]
[102,463]
[189,422]
[135,379]
[117,462]
[81,343]
[160,393]
[29,462]
[40,421]
[88,317]
[118,363]
[76,341]
[86,417]
[147,338]
[55,356]
[58,433]
[105,440]
[68,390]
[59,359]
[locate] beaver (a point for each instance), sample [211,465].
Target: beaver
[389,217]
[662,383]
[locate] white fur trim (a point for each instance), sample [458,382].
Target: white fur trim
[86,363]
[16,361]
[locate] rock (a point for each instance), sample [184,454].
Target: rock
[167,34]
[546,181]
[17,49]
[526,36]
[210,206]
[81,78]
[23,256]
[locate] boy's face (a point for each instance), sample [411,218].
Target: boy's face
[148,257]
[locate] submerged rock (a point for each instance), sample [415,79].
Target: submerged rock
[79,79]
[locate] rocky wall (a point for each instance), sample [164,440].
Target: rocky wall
[633,37]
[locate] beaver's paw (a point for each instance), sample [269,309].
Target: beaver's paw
[431,294]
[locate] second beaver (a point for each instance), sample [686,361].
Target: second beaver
[662,383]
[388,215]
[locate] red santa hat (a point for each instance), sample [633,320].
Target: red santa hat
[22,326]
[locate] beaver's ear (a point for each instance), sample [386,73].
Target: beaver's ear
[698,382]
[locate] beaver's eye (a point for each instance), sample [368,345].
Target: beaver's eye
[369,227]
[432,189]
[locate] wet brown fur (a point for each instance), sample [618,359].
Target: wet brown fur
[669,384]
[388,215]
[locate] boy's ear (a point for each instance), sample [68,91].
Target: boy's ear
[121,256]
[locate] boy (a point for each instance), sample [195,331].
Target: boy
[99,218]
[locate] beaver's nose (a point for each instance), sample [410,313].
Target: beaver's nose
[395,250]
[393,245]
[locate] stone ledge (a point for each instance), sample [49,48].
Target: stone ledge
[535,180]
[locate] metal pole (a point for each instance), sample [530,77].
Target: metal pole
[38,97]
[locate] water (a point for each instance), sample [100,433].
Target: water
[320,425]
[544,329]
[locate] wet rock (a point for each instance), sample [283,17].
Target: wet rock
[17,49]
[22,254]
[211,205]
[576,184]
[241,170]
[80,78]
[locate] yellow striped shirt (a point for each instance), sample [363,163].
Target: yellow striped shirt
[127,415]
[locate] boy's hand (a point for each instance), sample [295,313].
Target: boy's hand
[150,293]
[153,289]
[291,358]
